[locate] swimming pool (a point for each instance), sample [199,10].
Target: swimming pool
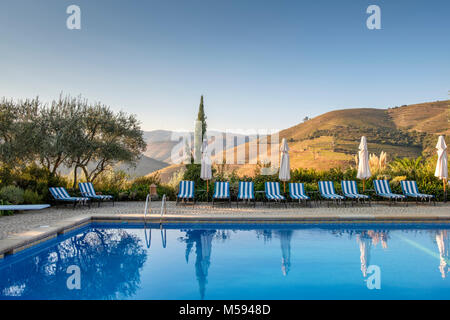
[207,261]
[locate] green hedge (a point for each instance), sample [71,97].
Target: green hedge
[30,185]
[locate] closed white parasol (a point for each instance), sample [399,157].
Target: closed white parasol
[442,162]
[363,162]
[285,167]
[205,172]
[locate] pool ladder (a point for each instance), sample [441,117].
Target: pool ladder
[148,209]
[148,206]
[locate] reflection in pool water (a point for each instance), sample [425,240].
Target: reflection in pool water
[234,262]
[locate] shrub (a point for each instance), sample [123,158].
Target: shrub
[31,197]
[168,190]
[112,182]
[5,212]
[142,184]
[12,194]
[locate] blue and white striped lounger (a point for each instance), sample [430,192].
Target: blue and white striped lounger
[246,192]
[60,194]
[383,190]
[87,190]
[297,192]
[409,189]
[186,191]
[350,190]
[221,191]
[326,190]
[273,192]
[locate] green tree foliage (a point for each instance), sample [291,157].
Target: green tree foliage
[411,168]
[59,131]
[105,139]
[69,131]
[19,131]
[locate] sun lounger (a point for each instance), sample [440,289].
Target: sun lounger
[383,190]
[326,190]
[297,192]
[246,192]
[87,190]
[60,194]
[350,191]
[272,191]
[186,191]
[221,192]
[409,189]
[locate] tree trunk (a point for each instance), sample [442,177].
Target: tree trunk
[75,177]
[86,173]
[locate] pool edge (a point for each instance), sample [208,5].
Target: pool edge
[27,239]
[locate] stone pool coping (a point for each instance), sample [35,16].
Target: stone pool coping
[20,241]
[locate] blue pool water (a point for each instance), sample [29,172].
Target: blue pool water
[234,262]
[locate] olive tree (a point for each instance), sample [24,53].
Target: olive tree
[59,129]
[69,131]
[18,131]
[103,139]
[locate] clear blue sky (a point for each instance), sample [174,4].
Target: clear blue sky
[252,59]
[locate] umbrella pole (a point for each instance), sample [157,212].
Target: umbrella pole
[284,186]
[364,185]
[444,181]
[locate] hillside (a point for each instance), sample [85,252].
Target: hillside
[406,131]
[332,139]
[142,168]
[160,143]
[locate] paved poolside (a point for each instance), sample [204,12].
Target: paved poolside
[26,221]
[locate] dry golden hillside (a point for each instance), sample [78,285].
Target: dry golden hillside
[332,139]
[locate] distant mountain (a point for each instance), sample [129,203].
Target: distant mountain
[160,143]
[144,166]
[331,140]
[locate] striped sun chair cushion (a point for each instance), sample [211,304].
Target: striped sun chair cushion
[383,189]
[221,190]
[297,191]
[61,194]
[326,189]
[410,189]
[186,190]
[246,190]
[87,190]
[273,191]
[350,190]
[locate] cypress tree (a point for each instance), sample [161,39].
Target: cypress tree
[201,117]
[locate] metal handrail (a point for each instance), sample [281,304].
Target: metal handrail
[163,236]
[148,239]
[148,205]
[163,205]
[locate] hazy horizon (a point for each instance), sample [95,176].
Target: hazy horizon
[259,64]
